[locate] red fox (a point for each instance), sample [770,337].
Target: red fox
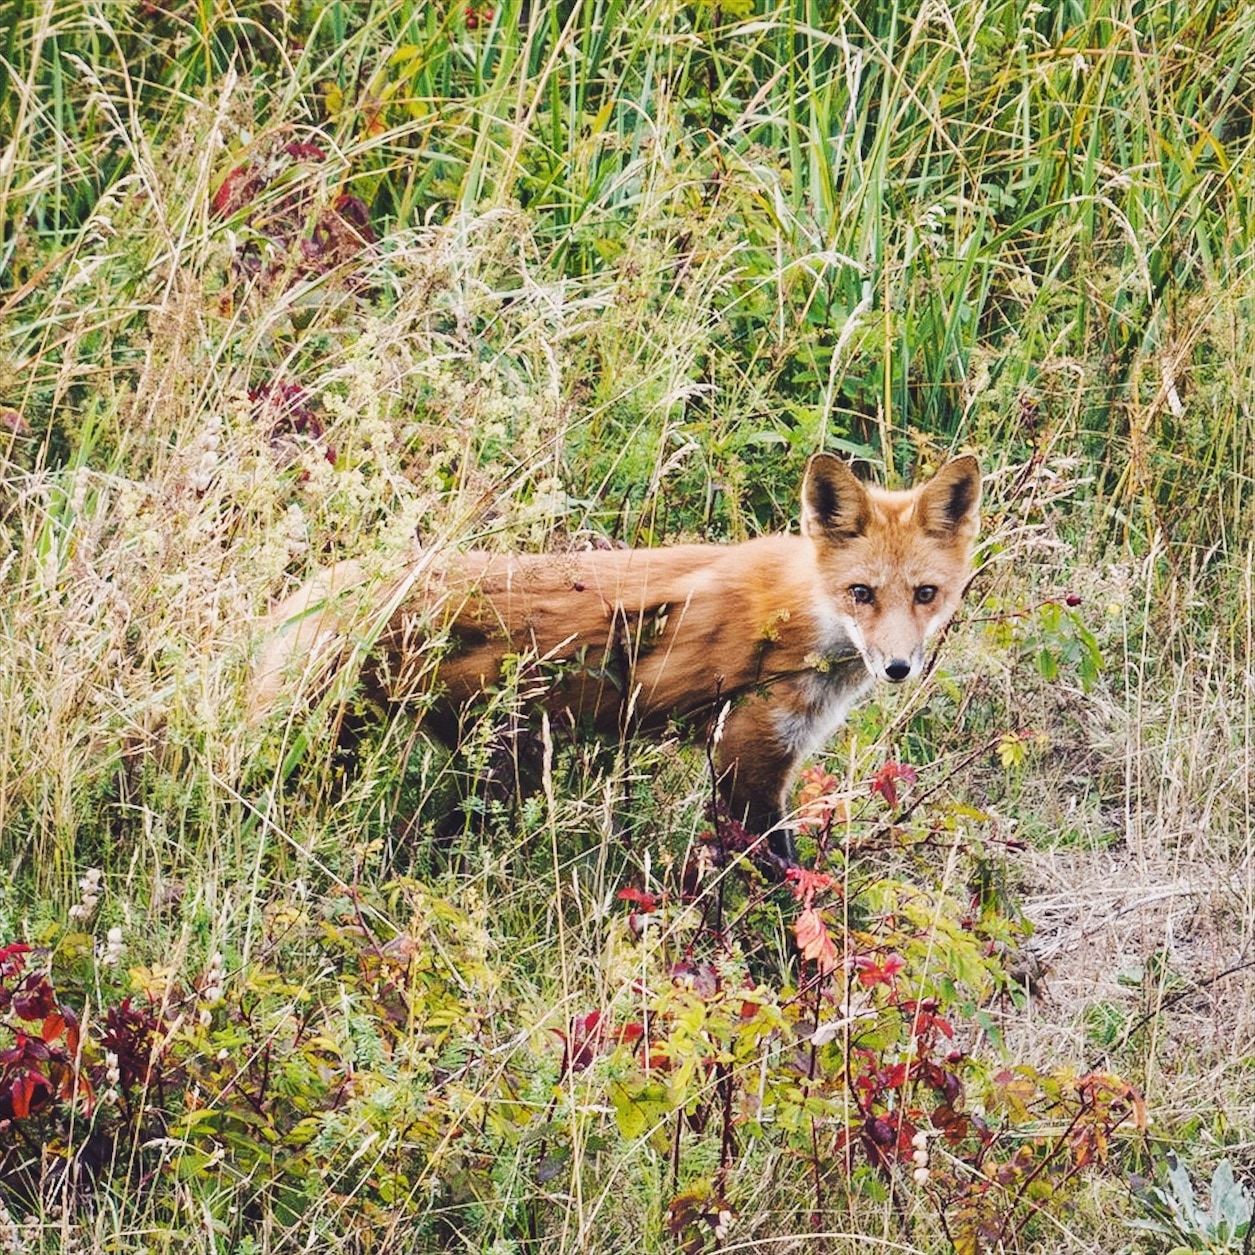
[763,645]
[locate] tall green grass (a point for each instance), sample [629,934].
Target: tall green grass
[913,219]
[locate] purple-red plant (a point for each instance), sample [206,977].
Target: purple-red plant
[39,1065]
[271,194]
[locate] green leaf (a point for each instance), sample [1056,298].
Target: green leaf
[641,1111]
[1230,1202]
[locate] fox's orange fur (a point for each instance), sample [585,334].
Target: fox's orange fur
[775,638]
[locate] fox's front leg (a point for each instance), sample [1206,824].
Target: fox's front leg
[756,767]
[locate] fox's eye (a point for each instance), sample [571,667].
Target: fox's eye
[863,596]
[926,593]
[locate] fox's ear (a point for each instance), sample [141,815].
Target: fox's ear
[834,502]
[949,503]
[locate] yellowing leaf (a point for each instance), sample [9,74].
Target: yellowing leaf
[1011,751]
[154,982]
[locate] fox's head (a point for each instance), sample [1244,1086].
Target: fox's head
[893,565]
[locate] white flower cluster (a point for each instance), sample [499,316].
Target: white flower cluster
[919,1156]
[211,989]
[205,454]
[112,953]
[10,1234]
[113,1077]
[18,1237]
[90,887]
[295,531]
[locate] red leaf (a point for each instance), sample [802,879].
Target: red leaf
[813,940]
[25,1050]
[74,1082]
[354,211]
[880,1131]
[71,1032]
[53,1027]
[872,973]
[235,191]
[819,799]
[304,151]
[805,884]
[581,1046]
[35,1000]
[12,958]
[22,1091]
[886,780]
[631,1033]
[894,1076]
[951,1124]
[646,901]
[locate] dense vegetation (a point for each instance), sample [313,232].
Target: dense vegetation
[283,284]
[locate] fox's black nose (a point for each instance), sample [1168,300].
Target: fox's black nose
[898,670]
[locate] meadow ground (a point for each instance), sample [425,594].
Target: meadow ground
[281,285]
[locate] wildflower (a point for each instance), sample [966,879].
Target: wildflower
[113,947]
[205,452]
[211,989]
[295,531]
[10,1234]
[919,1157]
[90,888]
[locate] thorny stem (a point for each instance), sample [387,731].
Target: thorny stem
[811,1068]
[907,811]
[675,1152]
[816,1221]
[1060,1142]
[1008,615]
[727,1139]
